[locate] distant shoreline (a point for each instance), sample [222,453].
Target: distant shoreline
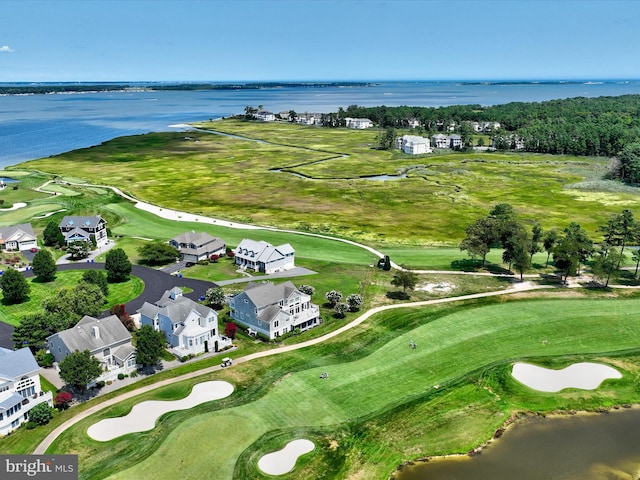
[28,88]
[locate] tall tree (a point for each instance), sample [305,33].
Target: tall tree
[537,236]
[117,265]
[15,288]
[605,267]
[149,345]
[98,278]
[52,236]
[549,242]
[157,253]
[44,266]
[78,369]
[581,242]
[405,279]
[480,236]
[214,297]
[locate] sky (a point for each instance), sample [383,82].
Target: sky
[318,40]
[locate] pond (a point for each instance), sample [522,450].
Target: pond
[585,446]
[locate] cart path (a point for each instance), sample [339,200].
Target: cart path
[46,443]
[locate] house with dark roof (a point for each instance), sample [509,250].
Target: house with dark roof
[188,326]
[84,229]
[273,310]
[18,237]
[20,388]
[107,339]
[264,257]
[195,246]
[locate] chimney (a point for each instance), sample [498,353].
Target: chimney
[96,331]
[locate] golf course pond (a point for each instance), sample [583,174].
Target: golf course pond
[593,446]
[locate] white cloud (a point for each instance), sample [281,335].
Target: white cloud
[6,48]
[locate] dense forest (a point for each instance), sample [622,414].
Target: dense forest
[600,126]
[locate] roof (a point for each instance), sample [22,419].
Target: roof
[202,241]
[17,233]
[267,293]
[124,352]
[17,363]
[70,221]
[82,336]
[176,307]
[9,399]
[262,251]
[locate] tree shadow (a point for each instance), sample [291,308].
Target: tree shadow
[467,265]
[398,295]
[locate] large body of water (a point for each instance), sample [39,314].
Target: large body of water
[36,126]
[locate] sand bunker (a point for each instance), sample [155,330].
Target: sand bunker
[283,461]
[442,287]
[586,376]
[143,416]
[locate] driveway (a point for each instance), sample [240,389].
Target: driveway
[6,334]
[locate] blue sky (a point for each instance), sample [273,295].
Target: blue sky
[322,40]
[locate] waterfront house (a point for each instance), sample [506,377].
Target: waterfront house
[273,310]
[265,116]
[20,388]
[195,246]
[18,237]
[264,257]
[189,327]
[85,229]
[107,339]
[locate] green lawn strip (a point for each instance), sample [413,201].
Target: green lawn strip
[144,224]
[26,214]
[449,348]
[59,189]
[118,293]
[47,386]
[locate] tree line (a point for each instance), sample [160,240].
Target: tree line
[569,248]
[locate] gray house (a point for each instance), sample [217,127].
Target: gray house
[195,246]
[84,229]
[264,257]
[18,237]
[106,339]
[273,310]
[189,327]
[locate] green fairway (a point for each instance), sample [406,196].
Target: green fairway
[367,380]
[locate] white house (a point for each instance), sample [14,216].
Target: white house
[107,339]
[273,310]
[413,145]
[18,237]
[440,141]
[264,257]
[455,141]
[20,388]
[189,327]
[265,116]
[358,123]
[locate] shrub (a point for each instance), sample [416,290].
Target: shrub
[133,374]
[41,414]
[121,376]
[100,384]
[30,425]
[62,400]
[44,359]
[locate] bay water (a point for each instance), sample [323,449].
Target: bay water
[36,126]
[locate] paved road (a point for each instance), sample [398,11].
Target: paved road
[155,284]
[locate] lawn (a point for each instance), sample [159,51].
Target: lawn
[372,373]
[237,180]
[118,293]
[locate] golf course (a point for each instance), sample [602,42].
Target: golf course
[383,402]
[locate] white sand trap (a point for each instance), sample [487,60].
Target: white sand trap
[15,206]
[586,376]
[283,461]
[143,416]
[443,287]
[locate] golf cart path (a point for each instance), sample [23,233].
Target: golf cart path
[46,443]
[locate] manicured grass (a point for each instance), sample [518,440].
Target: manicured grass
[234,179]
[372,371]
[118,293]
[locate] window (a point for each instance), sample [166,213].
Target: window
[275,324]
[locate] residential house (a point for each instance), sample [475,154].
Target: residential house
[84,229]
[195,246]
[106,339]
[264,257]
[440,141]
[189,327]
[512,141]
[455,141]
[413,123]
[18,237]
[20,388]
[273,310]
[265,116]
[358,123]
[413,145]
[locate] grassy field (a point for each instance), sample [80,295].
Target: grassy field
[374,375]
[241,180]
